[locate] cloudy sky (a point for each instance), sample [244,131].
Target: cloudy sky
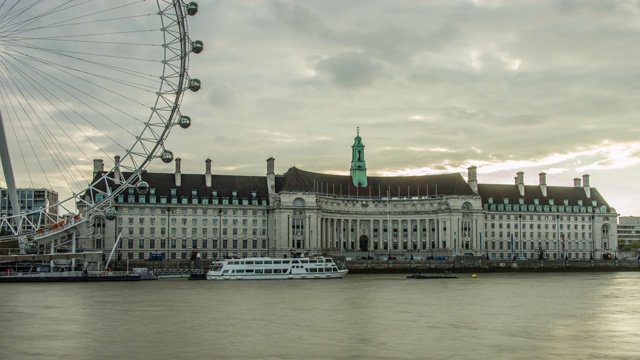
[434,86]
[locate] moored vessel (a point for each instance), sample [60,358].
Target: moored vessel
[265,268]
[444,275]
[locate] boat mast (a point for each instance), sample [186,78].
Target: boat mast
[11,183]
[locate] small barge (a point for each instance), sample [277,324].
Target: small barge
[445,275]
[68,276]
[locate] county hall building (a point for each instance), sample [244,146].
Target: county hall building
[355,214]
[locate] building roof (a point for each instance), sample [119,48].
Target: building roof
[531,192]
[402,186]
[223,184]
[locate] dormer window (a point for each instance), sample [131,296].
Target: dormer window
[234,193]
[194,193]
[579,202]
[551,202]
[536,201]
[254,194]
[214,193]
[521,201]
[490,200]
[566,202]
[505,200]
[173,192]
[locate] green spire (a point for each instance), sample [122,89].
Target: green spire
[358,165]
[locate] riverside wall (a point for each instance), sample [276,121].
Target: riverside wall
[481,265]
[460,264]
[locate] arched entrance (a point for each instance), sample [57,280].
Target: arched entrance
[364,243]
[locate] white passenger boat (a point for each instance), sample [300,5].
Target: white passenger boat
[265,268]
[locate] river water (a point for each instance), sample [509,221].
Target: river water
[495,316]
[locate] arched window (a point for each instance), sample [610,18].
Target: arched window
[605,232]
[466,224]
[298,225]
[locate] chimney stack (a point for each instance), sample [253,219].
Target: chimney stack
[586,186]
[178,173]
[207,174]
[473,179]
[577,182]
[543,183]
[520,182]
[116,171]
[271,166]
[271,179]
[98,166]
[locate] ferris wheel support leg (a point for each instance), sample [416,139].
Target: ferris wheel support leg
[8,177]
[112,251]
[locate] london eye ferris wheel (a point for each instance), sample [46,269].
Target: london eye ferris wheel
[84,80]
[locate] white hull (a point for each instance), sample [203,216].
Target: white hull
[334,275]
[276,269]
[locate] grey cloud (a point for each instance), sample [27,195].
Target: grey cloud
[351,69]
[222,95]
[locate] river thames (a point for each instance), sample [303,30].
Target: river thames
[495,316]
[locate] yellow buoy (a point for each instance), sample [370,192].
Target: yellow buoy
[473,276]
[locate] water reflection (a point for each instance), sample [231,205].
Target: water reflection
[497,316]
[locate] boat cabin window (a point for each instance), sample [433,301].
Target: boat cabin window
[249,262]
[268,262]
[258,262]
[277,261]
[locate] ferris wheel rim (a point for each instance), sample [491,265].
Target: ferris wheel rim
[100,192]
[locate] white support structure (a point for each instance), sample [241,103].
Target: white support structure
[11,183]
[113,250]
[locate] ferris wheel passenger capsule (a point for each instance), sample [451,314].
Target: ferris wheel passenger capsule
[110,214]
[197,46]
[195,85]
[192,8]
[184,121]
[167,156]
[142,187]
